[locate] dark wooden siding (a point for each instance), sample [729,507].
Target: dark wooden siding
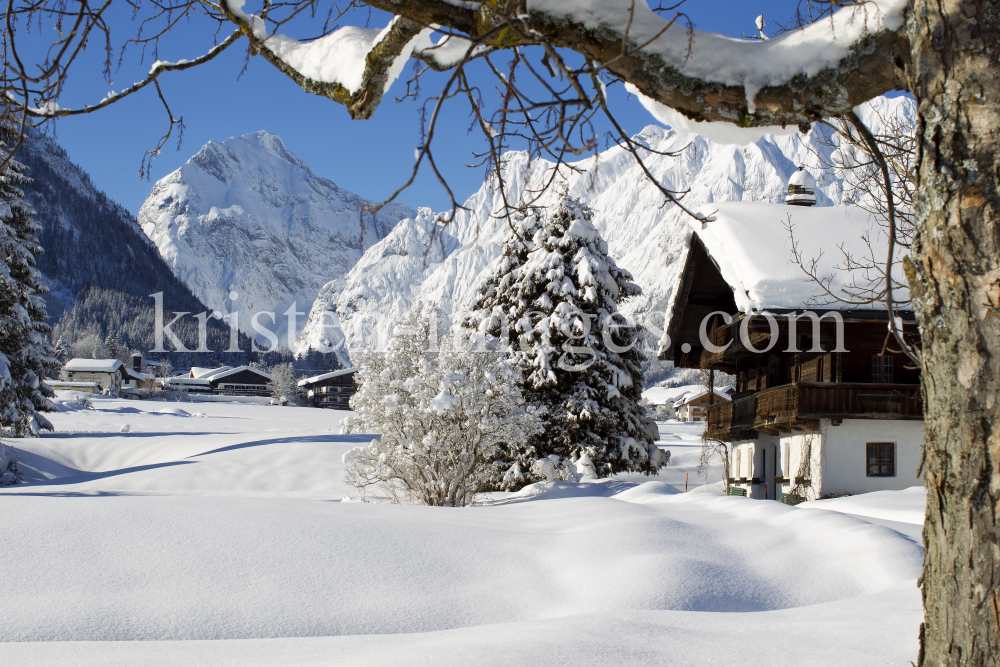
[243,377]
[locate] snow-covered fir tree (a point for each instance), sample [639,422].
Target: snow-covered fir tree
[553,296]
[63,351]
[443,408]
[26,356]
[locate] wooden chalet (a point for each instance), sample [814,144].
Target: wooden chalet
[819,409]
[330,390]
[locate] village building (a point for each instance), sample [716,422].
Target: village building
[826,401]
[330,390]
[694,408]
[109,374]
[239,381]
[137,382]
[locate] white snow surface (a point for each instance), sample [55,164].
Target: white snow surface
[248,217]
[645,237]
[209,534]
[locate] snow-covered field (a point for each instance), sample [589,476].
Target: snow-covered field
[213,534]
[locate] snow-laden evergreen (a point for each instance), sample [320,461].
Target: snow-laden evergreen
[554,297]
[26,356]
[443,409]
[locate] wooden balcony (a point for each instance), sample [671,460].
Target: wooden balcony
[797,406]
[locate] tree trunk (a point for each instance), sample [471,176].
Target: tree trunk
[954,73]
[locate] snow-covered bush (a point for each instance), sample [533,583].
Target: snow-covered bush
[442,409]
[10,472]
[553,297]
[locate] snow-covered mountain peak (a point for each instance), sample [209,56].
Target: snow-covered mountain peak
[248,215]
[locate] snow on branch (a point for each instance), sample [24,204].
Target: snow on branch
[793,79]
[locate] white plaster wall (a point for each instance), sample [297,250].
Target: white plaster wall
[805,457]
[844,465]
[751,460]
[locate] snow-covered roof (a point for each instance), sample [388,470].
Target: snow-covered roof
[93,365]
[665,395]
[803,178]
[136,375]
[801,189]
[197,372]
[326,376]
[68,383]
[751,246]
[225,371]
[693,397]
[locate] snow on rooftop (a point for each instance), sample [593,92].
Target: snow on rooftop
[199,372]
[663,395]
[803,178]
[327,376]
[209,374]
[93,365]
[692,397]
[751,245]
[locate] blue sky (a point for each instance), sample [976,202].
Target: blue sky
[371,158]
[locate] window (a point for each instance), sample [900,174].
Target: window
[736,466]
[881,459]
[881,369]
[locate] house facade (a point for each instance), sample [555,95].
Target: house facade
[695,408]
[826,401]
[330,390]
[109,374]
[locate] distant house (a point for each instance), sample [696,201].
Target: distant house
[694,408]
[331,390]
[239,381]
[136,380]
[823,407]
[109,374]
[142,365]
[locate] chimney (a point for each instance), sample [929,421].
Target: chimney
[137,362]
[801,189]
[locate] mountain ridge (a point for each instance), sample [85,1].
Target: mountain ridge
[247,217]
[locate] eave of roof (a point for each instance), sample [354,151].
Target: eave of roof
[327,376]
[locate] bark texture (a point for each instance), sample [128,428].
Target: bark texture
[954,73]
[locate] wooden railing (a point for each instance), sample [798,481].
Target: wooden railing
[791,406]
